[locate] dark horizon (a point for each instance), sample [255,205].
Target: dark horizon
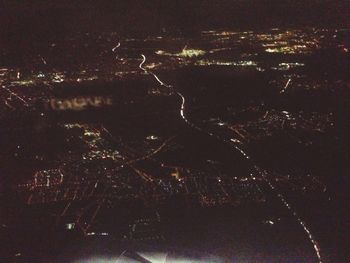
[135,16]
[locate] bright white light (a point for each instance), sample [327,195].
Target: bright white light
[185,53]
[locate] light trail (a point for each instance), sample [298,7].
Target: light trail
[116,47]
[182,112]
[151,154]
[286,86]
[43,60]
[142,174]
[296,216]
[182,97]
[154,75]
[281,198]
[15,95]
[9,105]
[246,156]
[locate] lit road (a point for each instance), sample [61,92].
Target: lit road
[260,172]
[152,153]
[116,47]
[286,86]
[13,94]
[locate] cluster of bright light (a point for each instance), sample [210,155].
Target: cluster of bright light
[241,63]
[293,49]
[185,53]
[58,77]
[220,33]
[93,138]
[288,65]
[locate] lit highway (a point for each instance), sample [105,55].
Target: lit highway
[258,170]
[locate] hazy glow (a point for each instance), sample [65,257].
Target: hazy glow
[154,257]
[101,259]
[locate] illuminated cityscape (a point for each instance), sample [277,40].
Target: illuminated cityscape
[225,144]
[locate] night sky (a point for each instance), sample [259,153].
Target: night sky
[54,18]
